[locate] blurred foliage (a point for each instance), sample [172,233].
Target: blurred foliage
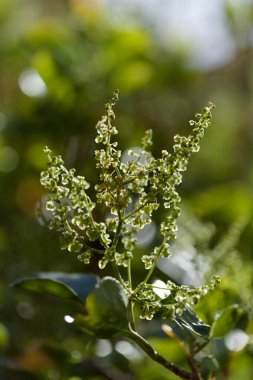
[60,62]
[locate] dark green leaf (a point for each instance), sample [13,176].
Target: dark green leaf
[190,321]
[74,286]
[225,321]
[185,335]
[107,310]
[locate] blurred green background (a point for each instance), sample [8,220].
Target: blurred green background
[60,62]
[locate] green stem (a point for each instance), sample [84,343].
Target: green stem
[151,270]
[95,250]
[114,246]
[134,212]
[145,346]
[131,315]
[117,233]
[131,303]
[129,274]
[118,275]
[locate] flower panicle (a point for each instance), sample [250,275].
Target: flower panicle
[131,191]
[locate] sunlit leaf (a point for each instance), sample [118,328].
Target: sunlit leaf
[225,321]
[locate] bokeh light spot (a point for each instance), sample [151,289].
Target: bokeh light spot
[128,350]
[161,289]
[236,340]
[103,347]
[31,83]
[68,319]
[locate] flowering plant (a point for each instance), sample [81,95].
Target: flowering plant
[131,191]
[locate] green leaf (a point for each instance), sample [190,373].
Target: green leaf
[225,321]
[190,321]
[73,286]
[107,311]
[183,334]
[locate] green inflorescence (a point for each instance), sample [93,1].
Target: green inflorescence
[131,191]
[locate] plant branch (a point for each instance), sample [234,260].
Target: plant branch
[114,247]
[145,346]
[168,331]
[194,368]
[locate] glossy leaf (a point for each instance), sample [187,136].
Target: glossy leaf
[182,333]
[107,311]
[73,286]
[191,322]
[225,321]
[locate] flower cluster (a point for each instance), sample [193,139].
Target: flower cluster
[71,208]
[131,190]
[178,296]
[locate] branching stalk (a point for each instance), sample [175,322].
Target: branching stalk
[145,346]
